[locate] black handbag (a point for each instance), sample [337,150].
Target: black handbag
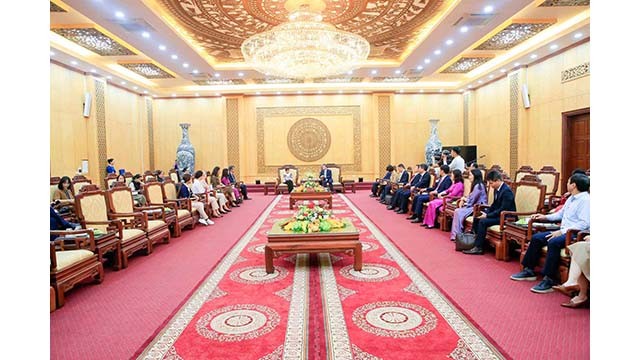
[465,241]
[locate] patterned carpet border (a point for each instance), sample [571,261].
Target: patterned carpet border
[295,343]
[336,327]
[481,346]
[163,342]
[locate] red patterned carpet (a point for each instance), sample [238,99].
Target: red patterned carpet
[387,311]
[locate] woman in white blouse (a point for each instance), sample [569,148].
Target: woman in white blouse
[287,178]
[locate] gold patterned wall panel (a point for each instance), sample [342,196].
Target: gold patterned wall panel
[514,96]
[575,72]
[149,107]
[271,121]
[233,134]
[102,128]
[309,139]
[68,128]
[384,132]
[465,111]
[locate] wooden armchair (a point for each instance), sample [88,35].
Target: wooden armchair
[94,212]
[183,205]
[524,170]
[174,176]
[72,261]
[551,178]
[154,192]
[451,203]
[149,219]
[78,182]
[281,187]
[336,175]
[110,179]
[128,176]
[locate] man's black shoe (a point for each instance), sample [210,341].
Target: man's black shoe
[416,220]
[474,251]
[414,216]
[390,207]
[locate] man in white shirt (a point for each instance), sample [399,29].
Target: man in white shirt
[457,162]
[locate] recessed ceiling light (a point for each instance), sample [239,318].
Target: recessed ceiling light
[257,92]
[123,82]
[146,92]
[516,64]
[146,35]
[350,72]
[491,76]
[195,71]
[427,60]
[420,67]
[441,90]
[93,70]
[119,14]
[464,29]
[449,42]
[373,72]
[135,88]
[398,72]
[479,81]
[162,47]
[361,91]
[174,95]
[553,46]
[185,65]
[197,94]
[437,52]
[503,70]
[299,92]
[319,91]
[73,62]
[240,74]
[51,53]
[488,9]
[577,35]
[174,56]
[533,56]
[216,74]
[279,93]
[468,86]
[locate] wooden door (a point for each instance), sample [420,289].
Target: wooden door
[575,143]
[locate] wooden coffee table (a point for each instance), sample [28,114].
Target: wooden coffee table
[345,240]
[301,196]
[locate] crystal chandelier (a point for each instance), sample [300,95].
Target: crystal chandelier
[305,47]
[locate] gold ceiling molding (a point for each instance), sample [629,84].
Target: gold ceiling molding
[550,3]
[218,27]
[216,82]
[277,81]
[515,33]
[466,64]
[89,37]
[53,7]
[338,80]
[147,69]
[395,79]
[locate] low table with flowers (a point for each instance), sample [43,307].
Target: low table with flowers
[310,190]
[313,230]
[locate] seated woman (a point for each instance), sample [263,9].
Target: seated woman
[136,190]
[200,187]
[119,180]
[455,190]
[225,180]
[287,178]
[63,199]
[579,274]
[478,195]
[227,191]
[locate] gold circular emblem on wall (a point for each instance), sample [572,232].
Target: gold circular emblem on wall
[309,139]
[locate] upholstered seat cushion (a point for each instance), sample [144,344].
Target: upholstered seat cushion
[154,224]
[182,213]
[130,234]
[469,219]
[68,258]
[495,229]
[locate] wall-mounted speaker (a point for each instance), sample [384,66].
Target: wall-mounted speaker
[526,101]
[86,106]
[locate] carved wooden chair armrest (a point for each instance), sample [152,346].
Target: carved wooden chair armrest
[449,200]
[169,204]
[153,212]
[573,236]
[69,239]
[477,209]
[512,215]
[532,229]
[183,203]
[112,225]
[134,220]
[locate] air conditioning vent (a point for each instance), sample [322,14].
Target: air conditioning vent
[134,25]
[471,20]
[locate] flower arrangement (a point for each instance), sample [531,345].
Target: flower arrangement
[310,219]
[309,186]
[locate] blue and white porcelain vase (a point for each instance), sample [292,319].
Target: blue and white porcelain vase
[434,146]
[186,154]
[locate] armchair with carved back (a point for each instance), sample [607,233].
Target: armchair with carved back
[149,219]
[551,178]
[281,186]
[93,212]
[110,179]
[174,176]
[336,175]
[522,171]
[78,182]
[72,261]
[186,215]
[154,193]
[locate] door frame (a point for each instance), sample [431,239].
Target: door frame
[566,116]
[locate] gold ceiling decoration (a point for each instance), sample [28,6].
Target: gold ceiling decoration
[514,34]
[565,3]
[395,79]
[277,81]
[216,81]
[146,69]
[466,64]
[55,8]
[94,40]
[338,79]
[220,26]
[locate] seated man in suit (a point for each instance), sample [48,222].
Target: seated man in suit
[575,214]
[401,177]
[242,186]
[184,192]
[504,200]
[443,183]
[381,182]
[325,177]
[401,198]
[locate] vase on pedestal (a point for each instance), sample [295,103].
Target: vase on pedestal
[434,146]
[186,154]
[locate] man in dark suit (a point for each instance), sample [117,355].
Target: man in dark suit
[381,182]
[420,181]
[443,183]
[325,177]
[402,179]
[233,180]
[504,200]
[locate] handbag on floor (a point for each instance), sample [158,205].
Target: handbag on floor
[465,241]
